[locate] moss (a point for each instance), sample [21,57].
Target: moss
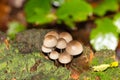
[109,74]
[103,57]
[14,65]
[30,40]
[55,74]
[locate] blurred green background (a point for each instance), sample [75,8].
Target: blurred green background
[100,19]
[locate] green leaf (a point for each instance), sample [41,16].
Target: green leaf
[14,28]
[106,5]
[39,11]
[74,11]
[116,21]
[105,36]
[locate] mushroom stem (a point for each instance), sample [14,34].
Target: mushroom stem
[61,50]
[65,65]
[56,62]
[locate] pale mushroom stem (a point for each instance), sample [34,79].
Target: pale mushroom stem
[61,50]
[56,62]
[46,56]
[65,65]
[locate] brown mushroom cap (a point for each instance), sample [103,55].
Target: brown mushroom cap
[65,58]
[46,49]
[54,55]
[74,47]
[53,33]
[61,44]
[65,35]
[50,41]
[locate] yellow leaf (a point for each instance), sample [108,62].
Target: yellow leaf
[101,67]
[114,64]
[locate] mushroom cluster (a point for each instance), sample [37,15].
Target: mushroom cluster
[65,43]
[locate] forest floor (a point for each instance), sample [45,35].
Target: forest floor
[22,59]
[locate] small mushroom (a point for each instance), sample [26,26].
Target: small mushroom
[54,55]
[74,48]
[65,58]
[46,49]
[61,44]
[53,33]
[50,41]
[65,35]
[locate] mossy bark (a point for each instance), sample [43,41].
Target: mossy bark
[34,66]
[30,40]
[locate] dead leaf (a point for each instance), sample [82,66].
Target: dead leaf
[75,75]
[14,78]
[34,67]
[97,78]
[4,14]
[91,56]
[7,43]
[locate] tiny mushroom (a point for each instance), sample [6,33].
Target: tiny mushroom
[50,41]
[74,47]
[46,49]
[61,44]
[65,35]
[65,58]
[53,33]
[54,55]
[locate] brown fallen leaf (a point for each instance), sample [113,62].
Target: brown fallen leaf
[7,43]
[34,67]
[91,56]
[4,14]
[13,78]
[97,78]
[75,75]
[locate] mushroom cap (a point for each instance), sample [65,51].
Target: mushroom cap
[74,47]
[64,58]
[61,44]
[53,33]
[46,49]
[65,35]
[50,41]
[54,55]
